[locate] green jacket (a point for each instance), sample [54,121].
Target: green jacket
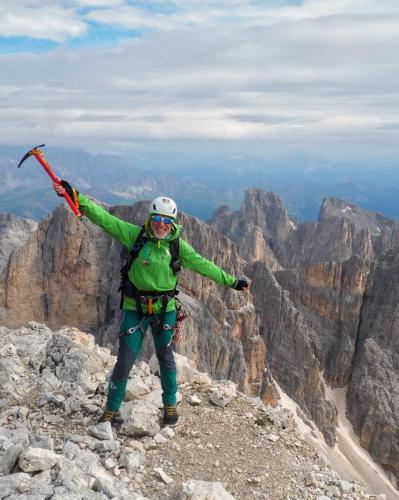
[151,269]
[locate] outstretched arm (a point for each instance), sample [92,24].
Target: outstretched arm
[194,261]
[123,231]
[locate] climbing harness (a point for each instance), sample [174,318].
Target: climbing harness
[139,326]
[145,297]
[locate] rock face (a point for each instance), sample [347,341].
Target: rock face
[14,232]
[327,310]
[59,264]
[330,296]
[222,332]
[373,392]
[290,353]
[74,268]
[341,231]
[335,237]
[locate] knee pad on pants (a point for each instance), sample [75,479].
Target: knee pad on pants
[124,363]
[166,358]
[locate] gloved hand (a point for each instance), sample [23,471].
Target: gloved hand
[67,187]
[241,284]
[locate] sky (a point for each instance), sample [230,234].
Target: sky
[112,75]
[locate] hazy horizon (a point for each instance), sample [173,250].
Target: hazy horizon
[199,183]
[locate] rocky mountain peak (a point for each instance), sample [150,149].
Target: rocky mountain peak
[362,218]
[266,210]
[261,221]
[225,447]
[324,297]
[322,308]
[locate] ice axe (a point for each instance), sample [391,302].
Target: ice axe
[40,158]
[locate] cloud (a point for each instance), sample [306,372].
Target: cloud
[235,12]
[58,20]
[299,74]
[46,20]
[97,3]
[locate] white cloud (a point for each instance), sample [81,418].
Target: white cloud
[241,12]
[131,17]
[58,20]
[303,74]
[97,3]
[46,20]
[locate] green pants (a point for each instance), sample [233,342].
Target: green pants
[132,334]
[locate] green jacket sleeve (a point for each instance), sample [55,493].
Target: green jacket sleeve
[121,230]
[194,261]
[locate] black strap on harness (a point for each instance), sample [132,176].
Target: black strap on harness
[128,289]
[142,297]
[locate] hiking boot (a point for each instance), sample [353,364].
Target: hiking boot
[108,416]
[170,416]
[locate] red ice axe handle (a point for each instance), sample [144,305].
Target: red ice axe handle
[40,158]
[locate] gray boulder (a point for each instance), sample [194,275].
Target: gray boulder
[204,490]
[37,459]
[140,418]
[9,459]
[103,431]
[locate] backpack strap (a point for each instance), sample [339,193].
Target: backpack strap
[129,258]
[141,240]
[174,249]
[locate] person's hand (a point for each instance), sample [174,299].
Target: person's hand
[58,189]
[242,284]
[65,186]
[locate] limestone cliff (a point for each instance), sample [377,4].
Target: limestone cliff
[14,231]
[373,392]
[290,352]
[68,274]
[330,296]
[341,231]
[332,311]
[263,232]
[262,221]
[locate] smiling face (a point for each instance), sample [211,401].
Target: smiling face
[160,229]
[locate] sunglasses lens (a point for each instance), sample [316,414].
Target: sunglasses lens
[158,218]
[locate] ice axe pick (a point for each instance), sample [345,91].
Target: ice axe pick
[40,158]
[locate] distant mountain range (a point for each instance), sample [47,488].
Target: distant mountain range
[199,184]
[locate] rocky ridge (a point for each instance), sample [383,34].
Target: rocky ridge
[318,293]
[342,230]
[332,311]
[222,331]
[225,445]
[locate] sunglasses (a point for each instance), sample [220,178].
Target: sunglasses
[159,218]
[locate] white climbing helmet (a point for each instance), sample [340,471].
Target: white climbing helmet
[164,206]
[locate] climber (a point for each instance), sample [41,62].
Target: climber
[149,294]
